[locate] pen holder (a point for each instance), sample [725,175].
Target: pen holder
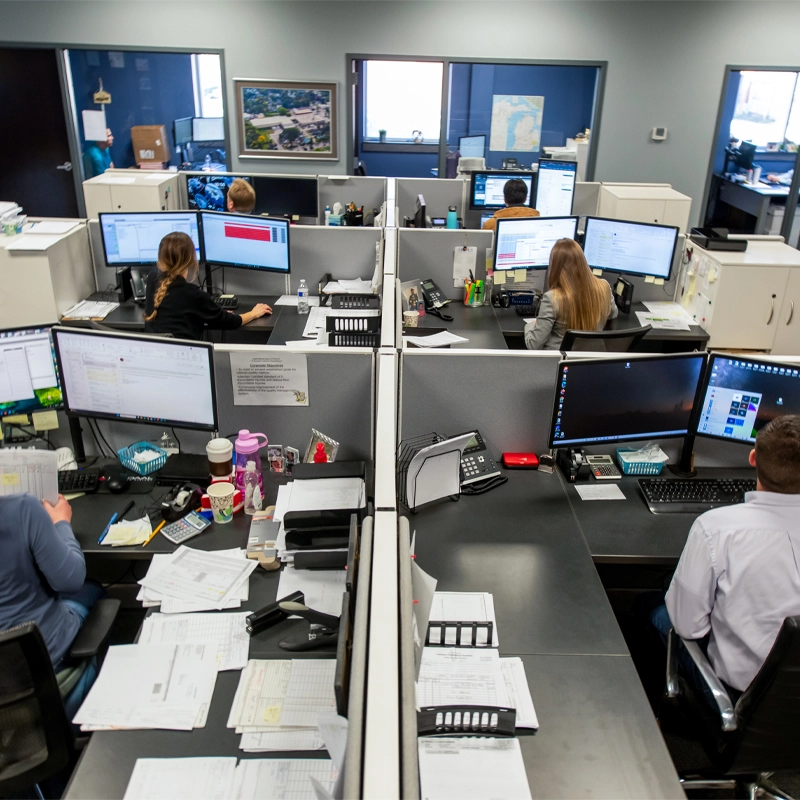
[473,293]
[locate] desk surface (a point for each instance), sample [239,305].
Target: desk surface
[478,324]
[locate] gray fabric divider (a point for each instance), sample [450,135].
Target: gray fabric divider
[363,191]
[341,393]
[103,275]
[439,194]
[586,198]
[507,396]
[429,254]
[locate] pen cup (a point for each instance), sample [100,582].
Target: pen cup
[473,293]
[411,319]
[221,497]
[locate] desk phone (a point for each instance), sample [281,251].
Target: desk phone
[476,463]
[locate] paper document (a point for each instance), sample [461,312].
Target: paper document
[115,180]
[29,472]
[319,494]
[29,241]
[454,675]
[315,322]
[519,695]
[600,492]
[181,779]
[128,533]
[282,502]
[291,300]
[463,607]
[322,588]
[282,778]
[464,260]
[90,309]
[472,768]
[53,227]
[281,741]
[435,471]
[423,588]
[269,379]
[310,691]
[355,286]
[227,631]
[441,339]
[260,694]
[660,322]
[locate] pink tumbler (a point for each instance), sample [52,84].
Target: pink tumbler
[247,446]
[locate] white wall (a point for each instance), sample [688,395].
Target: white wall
[666,59]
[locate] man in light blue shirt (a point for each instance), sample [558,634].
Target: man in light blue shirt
[98,156]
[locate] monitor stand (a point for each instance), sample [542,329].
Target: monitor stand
[685,466]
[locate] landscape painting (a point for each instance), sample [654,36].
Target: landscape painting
[286,119]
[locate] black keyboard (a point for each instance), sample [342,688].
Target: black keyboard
[78,480]
[227,301]
[693,495]
[527,311]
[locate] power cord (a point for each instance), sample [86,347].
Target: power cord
[482,487]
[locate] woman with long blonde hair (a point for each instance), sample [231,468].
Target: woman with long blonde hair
[576,300]
[175,304]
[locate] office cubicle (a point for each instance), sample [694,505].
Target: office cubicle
[439,194]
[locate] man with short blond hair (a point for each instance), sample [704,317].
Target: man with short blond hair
[241,197]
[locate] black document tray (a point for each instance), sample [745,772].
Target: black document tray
[318,540]
[717,239]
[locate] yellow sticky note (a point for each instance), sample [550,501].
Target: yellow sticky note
[18,419]
[649,279]
[45,420]
[712,275]
[520,275]
[500,277]
[272,714]
[10,479]
[597,272]
[659,281]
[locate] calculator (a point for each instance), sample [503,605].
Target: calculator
[186,527]
[603,468]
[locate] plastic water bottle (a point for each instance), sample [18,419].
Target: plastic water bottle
[302,298]
[207,167]
[252,491]
[327,215]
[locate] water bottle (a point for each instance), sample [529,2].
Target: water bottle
[327,215]
[452,217]
[207,167]
[302,298]
[252,490]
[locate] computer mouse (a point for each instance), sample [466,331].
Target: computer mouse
[117,483]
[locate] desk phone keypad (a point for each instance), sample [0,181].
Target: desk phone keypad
[477,467]
[181,530]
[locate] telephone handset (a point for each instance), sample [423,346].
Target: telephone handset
[476,463]
[435,299]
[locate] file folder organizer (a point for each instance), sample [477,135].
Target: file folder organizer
[431,472]
[353,331]
[470,628]
[465,719]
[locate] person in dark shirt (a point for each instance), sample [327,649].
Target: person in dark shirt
[173,304]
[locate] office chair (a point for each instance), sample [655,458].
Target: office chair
[601,341]
[758,736]
[36,740]
[360,169]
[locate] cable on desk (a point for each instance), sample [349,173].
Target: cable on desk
[176,439]
[111,449]
[31,434]
[482,487]
[96,440]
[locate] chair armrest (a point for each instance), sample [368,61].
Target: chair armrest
[95,629]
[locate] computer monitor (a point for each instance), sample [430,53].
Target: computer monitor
[472,146]
[131,239]
[555,186]
[526,242]
[606,400]
[240,240]
[486,189]
[632,248]
[739,396]
[485,218]
[210,192]
[182,130]
[285,197]
[28,377]
[744,157]
[137,378]
[420,215]
[208,129]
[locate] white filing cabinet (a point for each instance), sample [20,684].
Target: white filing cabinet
[645,203]
[131,190]
[38,286]
[745,300]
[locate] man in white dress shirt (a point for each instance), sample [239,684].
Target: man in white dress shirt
[739,574]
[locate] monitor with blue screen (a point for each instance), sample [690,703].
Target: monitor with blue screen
[526,242]
[28,376]
[555,186]
[131,239]
[239,240]
[485,218]
[472,146]
[487,188]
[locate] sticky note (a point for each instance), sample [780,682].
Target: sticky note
[45,420]
[659,281]
[499,277]
[18,419]
[520,275]
[597,272]
[272,714]
[9,479]
[712,275]
[649,279]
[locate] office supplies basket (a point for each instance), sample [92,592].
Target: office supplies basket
[637,467]
[126,457]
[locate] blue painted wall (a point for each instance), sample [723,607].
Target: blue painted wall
[146,89]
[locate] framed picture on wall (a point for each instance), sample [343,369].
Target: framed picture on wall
[286,119]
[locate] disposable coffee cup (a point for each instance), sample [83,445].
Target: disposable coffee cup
[220,458]
[411,319]
[756,175]
[221,497]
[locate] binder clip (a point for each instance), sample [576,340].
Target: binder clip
[324,628]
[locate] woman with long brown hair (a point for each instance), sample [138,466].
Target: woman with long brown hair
[576,300]
[175,304]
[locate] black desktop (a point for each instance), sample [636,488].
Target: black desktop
[285,197]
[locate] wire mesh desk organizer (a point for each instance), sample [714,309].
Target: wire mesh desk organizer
[429,468]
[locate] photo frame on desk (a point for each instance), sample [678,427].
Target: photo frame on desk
[287,119]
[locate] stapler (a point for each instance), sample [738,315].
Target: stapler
[271,614]
[324,628]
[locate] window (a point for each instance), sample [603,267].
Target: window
[207,80]
[765,111]
[401,97]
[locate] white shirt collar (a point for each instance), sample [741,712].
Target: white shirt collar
[772,498]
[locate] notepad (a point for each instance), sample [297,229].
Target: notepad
[282,778]
[181,779]
[456,675]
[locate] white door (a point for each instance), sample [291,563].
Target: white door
[787,335]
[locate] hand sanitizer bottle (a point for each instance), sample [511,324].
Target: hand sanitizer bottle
[251,487]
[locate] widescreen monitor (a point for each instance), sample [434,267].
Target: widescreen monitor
[486,189]
[739,396]
[208,129]
[239,240]
[485,218]
[210,192]
[526,242]
[745,155]
[137,378]
[285,197]
[631,248]
[28,377]
[182,130]
[131,239]
[604,400]
[472,146]
[555,186]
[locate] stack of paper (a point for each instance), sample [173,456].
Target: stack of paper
[151,686]
[463,607]
[356,286]
[441,339]
[90,309]
[284,778]
[291,300]
[316,321]
[128,532]
[201,578]
[665,316]
[277,697]
[29,472]
[322,588]
[53,227]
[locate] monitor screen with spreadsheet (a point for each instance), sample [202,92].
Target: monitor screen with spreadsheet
[137,378]
[239,240]
[132,239]
[632,248]
[555,186]
[606,400]
[525,243]
[487,188]
[741,395]
[28,377]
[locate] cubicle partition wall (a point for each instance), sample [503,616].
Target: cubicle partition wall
[439,194]
[586,198]
[363,191]
[390,308]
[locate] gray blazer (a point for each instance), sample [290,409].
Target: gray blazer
[547,331]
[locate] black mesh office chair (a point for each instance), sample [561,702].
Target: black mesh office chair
[747,742]
[360,169]
[604,341]
[36,740]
